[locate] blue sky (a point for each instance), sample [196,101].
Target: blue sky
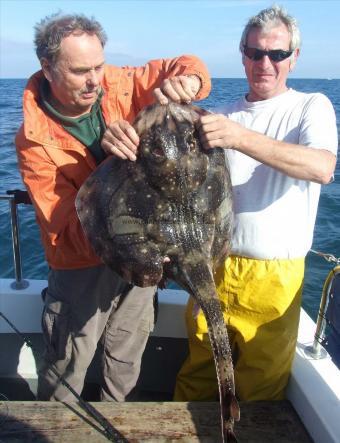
[139,31]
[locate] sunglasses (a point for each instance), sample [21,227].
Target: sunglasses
[275,55]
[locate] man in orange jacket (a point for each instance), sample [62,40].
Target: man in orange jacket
[77,110]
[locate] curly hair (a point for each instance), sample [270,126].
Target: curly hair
[50,31]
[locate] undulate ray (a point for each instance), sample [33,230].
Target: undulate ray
[175,202]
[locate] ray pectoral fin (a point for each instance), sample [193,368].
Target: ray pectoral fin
[139,261]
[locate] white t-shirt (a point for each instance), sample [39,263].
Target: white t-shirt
[274,215]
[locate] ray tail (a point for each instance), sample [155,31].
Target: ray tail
[204,292]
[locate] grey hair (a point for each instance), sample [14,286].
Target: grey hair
[50,31]
[269,18]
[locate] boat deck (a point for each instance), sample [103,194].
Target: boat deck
[54,422]
[313,389]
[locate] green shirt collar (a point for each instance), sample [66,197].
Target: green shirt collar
[69,121]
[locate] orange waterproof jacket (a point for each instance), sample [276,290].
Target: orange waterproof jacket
[54,164]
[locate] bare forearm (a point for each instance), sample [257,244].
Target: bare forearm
[294,160]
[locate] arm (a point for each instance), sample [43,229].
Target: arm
[156,73]
[53,196]
[297,161]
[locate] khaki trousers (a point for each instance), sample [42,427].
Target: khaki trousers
[84,307]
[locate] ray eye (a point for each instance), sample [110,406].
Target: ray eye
[157,151]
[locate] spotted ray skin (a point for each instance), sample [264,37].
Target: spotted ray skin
[174,201]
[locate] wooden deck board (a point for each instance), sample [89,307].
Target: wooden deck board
[54,422]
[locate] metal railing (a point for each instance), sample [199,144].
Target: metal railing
[14,198]
[317,351]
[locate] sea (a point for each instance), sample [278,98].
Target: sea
[327,229]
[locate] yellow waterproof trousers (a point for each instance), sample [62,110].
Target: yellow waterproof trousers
[261,305]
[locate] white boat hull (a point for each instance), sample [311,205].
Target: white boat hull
[314,387]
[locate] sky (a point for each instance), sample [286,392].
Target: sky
[140,30]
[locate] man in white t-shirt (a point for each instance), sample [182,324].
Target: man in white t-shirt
[281,146]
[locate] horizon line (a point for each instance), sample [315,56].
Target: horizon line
[212,78]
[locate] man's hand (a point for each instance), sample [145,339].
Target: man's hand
[121,139]
[218,131]
[182,88]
